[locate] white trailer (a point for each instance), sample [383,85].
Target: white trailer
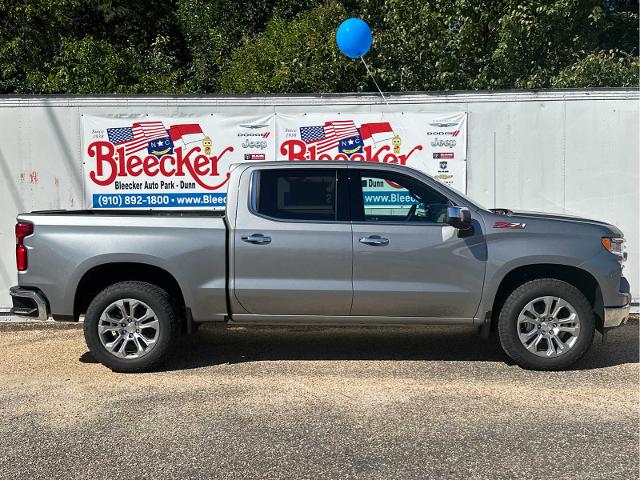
[561,151]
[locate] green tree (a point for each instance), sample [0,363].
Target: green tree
[299,55]
[88,65]
[208,46]
[89,46]
[600,69]
[213,29]
[536,42]
[441,45]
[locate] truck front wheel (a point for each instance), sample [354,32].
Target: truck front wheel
[131,326]
[546,324]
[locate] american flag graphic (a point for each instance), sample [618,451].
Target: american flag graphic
[136,137]
[328,136]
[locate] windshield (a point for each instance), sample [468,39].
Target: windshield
[469,199]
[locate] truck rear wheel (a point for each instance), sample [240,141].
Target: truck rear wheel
[546,324]
[131,326]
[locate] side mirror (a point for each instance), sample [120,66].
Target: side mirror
[459,217]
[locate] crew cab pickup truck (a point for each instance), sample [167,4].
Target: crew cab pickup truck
[324,243]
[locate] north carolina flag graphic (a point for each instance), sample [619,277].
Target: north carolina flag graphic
[350,145]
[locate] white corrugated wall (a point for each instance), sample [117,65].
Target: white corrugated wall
[569,151]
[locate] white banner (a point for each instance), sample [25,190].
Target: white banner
[433,143]
[168,162]
[183,162]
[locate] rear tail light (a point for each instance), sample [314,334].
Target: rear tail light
[23,230]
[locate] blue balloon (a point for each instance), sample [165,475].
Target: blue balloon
[354,37]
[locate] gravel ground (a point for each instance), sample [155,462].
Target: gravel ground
[294,404]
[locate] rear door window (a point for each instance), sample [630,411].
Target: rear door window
[298,194]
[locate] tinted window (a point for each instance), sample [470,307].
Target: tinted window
[297,194]
[392,197]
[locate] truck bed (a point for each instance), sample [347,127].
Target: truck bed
[86,246]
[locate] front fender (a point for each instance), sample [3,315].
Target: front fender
[496,273]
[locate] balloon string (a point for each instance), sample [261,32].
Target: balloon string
[374,80]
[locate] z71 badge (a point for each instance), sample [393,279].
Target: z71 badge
[513,225]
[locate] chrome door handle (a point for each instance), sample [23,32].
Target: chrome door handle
[374,241]
[257,238]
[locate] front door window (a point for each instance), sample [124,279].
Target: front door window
[393,197]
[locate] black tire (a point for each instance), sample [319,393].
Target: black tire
[158,300]
[518,299]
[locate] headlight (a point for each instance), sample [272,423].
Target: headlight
[616,246]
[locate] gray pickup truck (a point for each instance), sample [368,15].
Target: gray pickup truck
[324,243]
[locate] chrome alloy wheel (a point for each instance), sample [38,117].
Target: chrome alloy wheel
[548,326]
[128,328]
